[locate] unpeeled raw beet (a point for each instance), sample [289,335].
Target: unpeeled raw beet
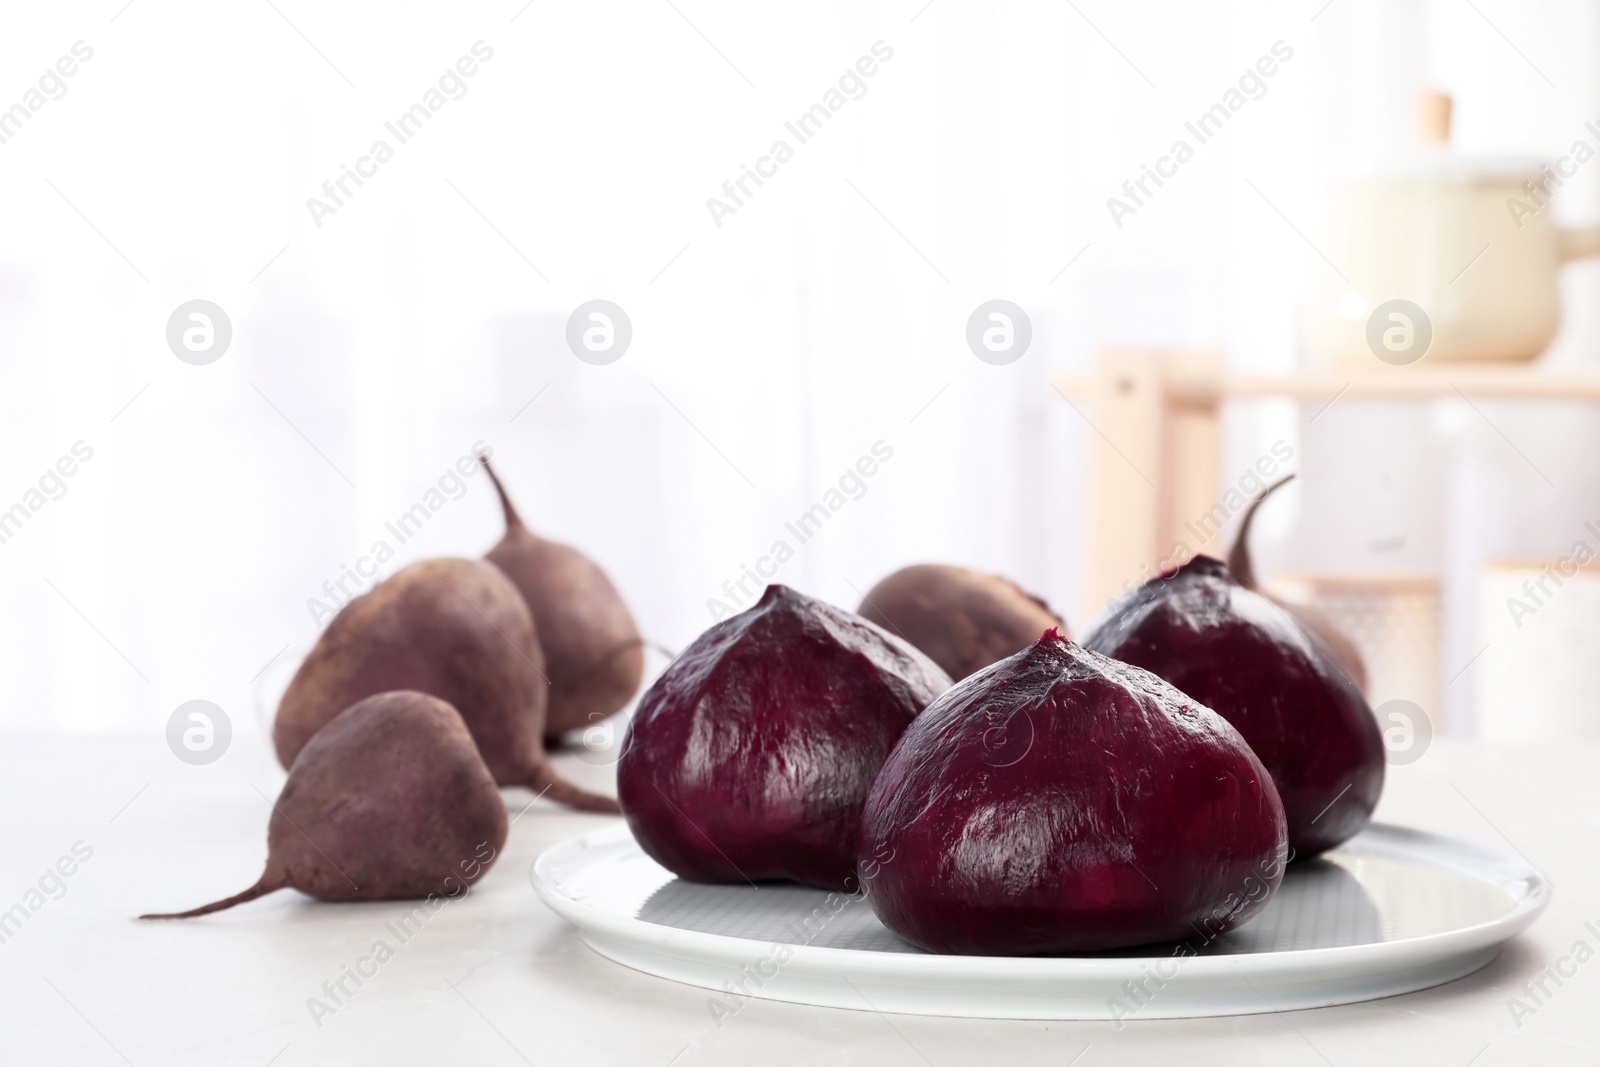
[963,619]
[389,800]
[1238,653]
[593,653]
[456,629]
[1060,801]
[750,756]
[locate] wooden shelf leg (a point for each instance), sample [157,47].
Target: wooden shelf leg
[1155,470]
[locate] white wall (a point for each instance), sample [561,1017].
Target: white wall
[792,338]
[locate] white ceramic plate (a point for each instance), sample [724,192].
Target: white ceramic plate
[1391,911]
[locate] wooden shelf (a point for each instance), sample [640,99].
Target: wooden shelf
[1188,384]
[1158,495]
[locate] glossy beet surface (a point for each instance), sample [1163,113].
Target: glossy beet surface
[750,756]
[1339,648]
[389,800]
[1239,654]
[963,619]
[1060,801]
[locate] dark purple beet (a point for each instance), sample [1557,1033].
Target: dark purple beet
[1060,801]
[1238,653]
[750,756]
[1340,649]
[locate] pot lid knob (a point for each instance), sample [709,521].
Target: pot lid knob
[1433,118]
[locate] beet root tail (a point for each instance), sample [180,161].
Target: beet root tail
[513,520]
[1239,561]
[547,783]
[260,889]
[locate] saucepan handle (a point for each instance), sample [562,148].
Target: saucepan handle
[1578,243]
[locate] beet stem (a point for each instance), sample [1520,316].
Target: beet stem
[513,520]
[547,783]
[260,889]
[1239,562]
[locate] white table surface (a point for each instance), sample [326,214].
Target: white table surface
[498,979]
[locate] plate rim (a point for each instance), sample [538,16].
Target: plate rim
[701,946]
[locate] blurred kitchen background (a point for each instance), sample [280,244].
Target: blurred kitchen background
[827,313]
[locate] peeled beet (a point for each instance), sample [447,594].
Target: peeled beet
[593,652]
[750,756]
[1339,648]
[389,800]
[964,620]
[456,629]
[1238,653]
[1061,801]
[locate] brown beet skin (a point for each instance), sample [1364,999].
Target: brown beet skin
[750,756]
[456,629]
[389,800]
[593,652]
[1060,801]
[962,619]
[1238,653]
